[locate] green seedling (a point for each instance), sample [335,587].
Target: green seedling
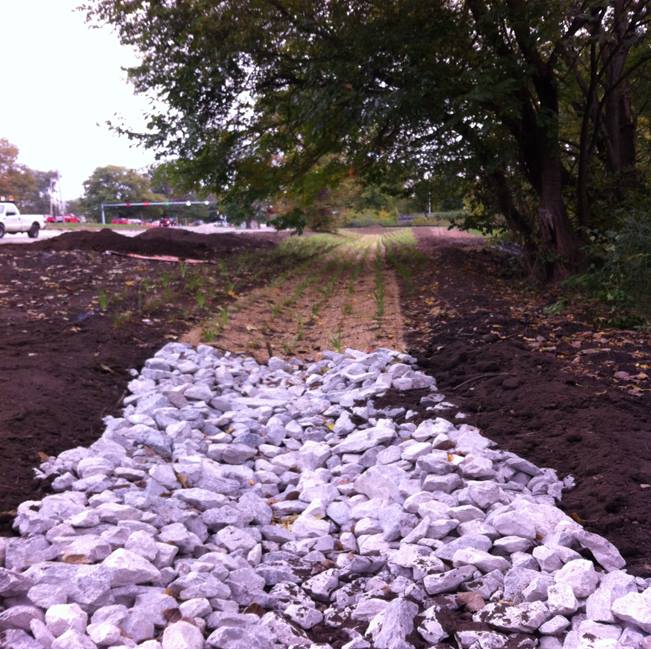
[103,300]
[336,342]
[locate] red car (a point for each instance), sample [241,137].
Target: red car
[119,220]
[71,218]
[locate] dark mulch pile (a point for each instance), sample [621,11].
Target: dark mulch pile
[64,362]
[161,241]
[478,332]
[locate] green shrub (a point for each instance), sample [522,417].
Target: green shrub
[620,272]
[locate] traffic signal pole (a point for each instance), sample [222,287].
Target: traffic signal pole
[147,204]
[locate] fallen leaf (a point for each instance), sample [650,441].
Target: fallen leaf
[75,558]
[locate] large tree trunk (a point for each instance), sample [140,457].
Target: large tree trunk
[515,220]
[560,244]
[619,118]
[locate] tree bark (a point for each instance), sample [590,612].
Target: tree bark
[559,239]
[619,118]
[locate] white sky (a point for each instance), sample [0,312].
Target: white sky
[61,81]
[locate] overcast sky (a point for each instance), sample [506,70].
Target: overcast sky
[61,82]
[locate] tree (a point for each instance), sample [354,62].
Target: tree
[533,103]
[115,184]
[29,188]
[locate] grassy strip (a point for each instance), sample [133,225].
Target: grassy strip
[403,256]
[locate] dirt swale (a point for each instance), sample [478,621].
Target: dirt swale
[345,295]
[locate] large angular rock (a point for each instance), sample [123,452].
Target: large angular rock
[634,608]
[182,635]
[513,524]
[381,482]
[361,440]
[580,575]
[235,538]
[430,628]
[527,616]
[561,599]
[480,559]
[449,581]
[390,628]
[18,639]
[13,583]
[63,617]
[602,549]
[616,584]
[305,616]
[483,640]
[19,617]
[126,568]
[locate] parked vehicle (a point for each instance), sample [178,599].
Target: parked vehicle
[11,220]
[71,218]
[119,220]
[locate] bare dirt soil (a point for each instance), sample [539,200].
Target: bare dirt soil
[74,320]
[560,390]
[556,387]
[344,296]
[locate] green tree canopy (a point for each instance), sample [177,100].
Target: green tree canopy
[29,188]
[535,104]
[115,184]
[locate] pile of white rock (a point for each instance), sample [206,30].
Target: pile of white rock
[236,505]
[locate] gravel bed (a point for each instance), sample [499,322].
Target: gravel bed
[238,505]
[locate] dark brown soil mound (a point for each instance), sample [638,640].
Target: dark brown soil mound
[160,241]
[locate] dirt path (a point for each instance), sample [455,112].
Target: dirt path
[345,296]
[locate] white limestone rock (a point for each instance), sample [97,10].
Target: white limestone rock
[449,581]
[306,617]
[555,625]
[182,635]
[361,440]
[634,608]
[430,628]
[561,599]
[512,523]
[124,568]
[19,617]
[580,575]
[481,639]
[72,639]
[389,629]
[320,586]
[613,585]
[484,561]
[64,617]
[527,616]
[104,634]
